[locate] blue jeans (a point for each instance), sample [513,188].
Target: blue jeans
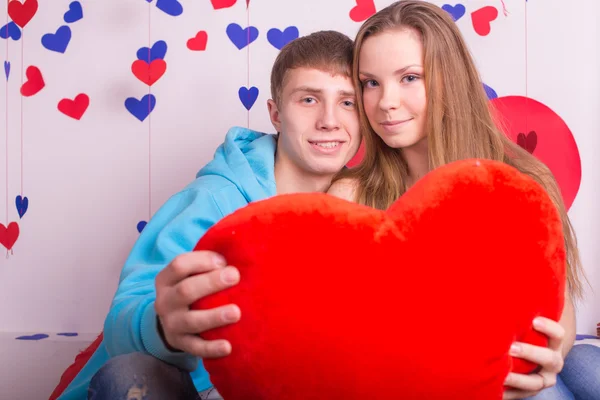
[138,376]
[134,377]
[580,377]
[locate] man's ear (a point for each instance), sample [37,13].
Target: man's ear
[274,115]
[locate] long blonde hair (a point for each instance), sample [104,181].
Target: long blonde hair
[459,122]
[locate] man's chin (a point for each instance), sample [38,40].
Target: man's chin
[329,169]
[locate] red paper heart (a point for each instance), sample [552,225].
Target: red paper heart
[9,235]
[363,10]
[217,4]
[555,144]
[198,43]
[74,108]
[21,13]
[149,73]
[528,142]
[342,301]
[35,81]
[482,19]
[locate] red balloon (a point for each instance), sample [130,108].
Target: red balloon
[358,157]
[542,132]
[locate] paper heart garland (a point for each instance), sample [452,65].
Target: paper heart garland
[149,73]
[22,13]
[22,204]
[74,108]
[9,235]
[35,81]
[10,30]
[218,4]
[363,10]
[198,42]
[342,301]
[158,51]
[141,108]
[482,19]
[74,14]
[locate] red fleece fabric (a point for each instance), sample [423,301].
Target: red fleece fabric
[422,301]
[71,372]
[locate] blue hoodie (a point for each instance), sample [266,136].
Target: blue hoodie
[241,172]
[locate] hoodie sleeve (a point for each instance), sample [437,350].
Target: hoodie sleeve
[131,324]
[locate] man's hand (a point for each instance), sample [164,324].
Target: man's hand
[549,358]
[189,277]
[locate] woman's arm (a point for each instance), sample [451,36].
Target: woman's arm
[567,321]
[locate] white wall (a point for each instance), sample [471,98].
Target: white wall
[87,181]
[564,70]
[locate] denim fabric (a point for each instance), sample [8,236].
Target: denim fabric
[580,377]
[138,376]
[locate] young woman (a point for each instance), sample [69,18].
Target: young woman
[422,105]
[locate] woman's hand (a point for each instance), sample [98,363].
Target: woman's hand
[550,359]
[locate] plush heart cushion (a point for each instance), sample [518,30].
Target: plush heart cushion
[342,301]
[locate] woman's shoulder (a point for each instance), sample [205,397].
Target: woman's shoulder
[345,188]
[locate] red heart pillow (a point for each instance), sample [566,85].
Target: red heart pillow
[342,301]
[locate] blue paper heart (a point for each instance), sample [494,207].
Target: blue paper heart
[75,12]
[279,39]
[22,204]
[37,336]
[10,30]
[57,41]
[456,11]
[171,7]
[241,37]
[491,93]
[68,334]
[141,225]
[7,69]
[248,96]
[141,108]
[157,52]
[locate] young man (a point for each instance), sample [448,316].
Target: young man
[151,348]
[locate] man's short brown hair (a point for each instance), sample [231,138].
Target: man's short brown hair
[328,51]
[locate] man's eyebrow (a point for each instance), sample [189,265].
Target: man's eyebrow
[309,89]
[306,89]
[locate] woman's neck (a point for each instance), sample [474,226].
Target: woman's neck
[417,160]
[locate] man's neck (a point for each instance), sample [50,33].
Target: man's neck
[290,179]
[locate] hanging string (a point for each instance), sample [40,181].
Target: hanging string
[22,69]
[248,53]
[149,115]
[504,10]
[6,117]
[526,72]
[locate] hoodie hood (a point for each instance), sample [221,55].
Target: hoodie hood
[247,159]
